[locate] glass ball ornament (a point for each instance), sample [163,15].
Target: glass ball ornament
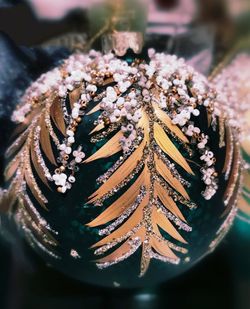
[233,86]
[123,171]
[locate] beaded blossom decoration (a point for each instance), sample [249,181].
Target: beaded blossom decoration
[146,109]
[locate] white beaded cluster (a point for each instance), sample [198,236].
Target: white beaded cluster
[60,81]
[176,79]
[126,108]
[75,69]
[41,87]
[118,105]
[232,86]
[121,103]
[173,77]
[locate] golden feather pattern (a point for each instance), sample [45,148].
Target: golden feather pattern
[169,148]
[140,168]
[244,203]
[56,114]
[245,144]
[229,150]
[113,146]
[120,205]
[163,170]
[232,168]
[161,115]
[31,147]
[234,175]
[17,144]
[37,166]
[93,110]
[45,141]
[168,202]
[75,95]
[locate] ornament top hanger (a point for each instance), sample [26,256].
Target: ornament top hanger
[120,25]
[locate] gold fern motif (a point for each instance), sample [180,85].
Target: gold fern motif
[149,174]
[32,155]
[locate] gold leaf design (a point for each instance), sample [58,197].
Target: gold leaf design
[168,202]
[93,110]
[120,205]
[113,146]
[12,167]
[98,128]
[167,175]
[142,171]
[74,96]
[234,175]
[169,148]
[124,171]
[46,142]
[37,166]
[167,121]
[17,144]
[32,149]
[229,149]
[57,114]
[166,225]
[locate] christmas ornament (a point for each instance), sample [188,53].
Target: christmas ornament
[233,85]
[131,153]
[123,171]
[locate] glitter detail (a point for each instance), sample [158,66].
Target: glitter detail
[125,214]
[121,185]
[120,161]
[154,255]
[171,166]
[170,244]
[39,154]
[50,128]
[112,244]
[46,245]
[176,197]
[224,228]
[34,183]
[134,245]
[173,218]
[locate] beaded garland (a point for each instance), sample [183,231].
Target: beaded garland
[146,109]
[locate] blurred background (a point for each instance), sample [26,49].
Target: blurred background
[222,280]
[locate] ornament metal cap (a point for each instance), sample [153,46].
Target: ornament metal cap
[120,25]
[120,42]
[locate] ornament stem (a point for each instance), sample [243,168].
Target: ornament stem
[120,25]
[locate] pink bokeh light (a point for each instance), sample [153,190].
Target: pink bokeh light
[56,9]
